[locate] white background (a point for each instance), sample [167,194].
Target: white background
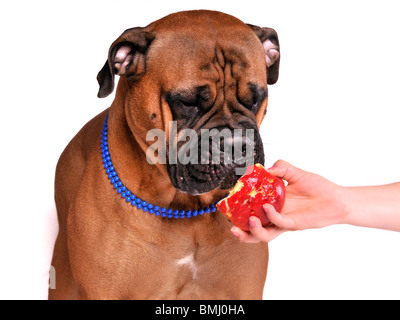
[335,111]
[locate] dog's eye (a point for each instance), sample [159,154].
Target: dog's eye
[197,97]
[255,99]
[249,102]
[188,104]
[182,107]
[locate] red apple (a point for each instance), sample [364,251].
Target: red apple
[254,189]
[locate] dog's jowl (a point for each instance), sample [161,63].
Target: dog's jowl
[135,228]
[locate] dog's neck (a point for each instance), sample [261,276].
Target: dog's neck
[126,150]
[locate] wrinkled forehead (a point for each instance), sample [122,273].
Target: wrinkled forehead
[177,47]
[199,39]
[185,54]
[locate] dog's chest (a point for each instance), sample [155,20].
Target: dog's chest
[191,260]
[212,268]
[189,263]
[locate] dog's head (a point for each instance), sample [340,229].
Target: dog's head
[201,78]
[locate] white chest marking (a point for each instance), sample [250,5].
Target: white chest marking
[189,262]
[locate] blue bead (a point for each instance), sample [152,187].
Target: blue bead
[130,197]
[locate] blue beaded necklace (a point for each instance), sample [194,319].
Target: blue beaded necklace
[134,200]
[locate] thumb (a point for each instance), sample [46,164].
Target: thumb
[286,171]
[279,220]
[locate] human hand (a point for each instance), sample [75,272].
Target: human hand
[311,202]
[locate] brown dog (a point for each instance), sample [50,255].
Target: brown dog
[203,70]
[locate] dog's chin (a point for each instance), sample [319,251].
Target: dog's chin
[200,178]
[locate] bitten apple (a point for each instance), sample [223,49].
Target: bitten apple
[254,189]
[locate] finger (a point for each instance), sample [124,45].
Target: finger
[279,220]
[286,171]
[244,236]
[264,234]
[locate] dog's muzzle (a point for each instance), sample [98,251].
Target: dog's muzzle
[218,161]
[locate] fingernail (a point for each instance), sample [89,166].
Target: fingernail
[272,168]
[252,223]
[234,232]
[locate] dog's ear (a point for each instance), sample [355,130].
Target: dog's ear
[270,42]
[126,57]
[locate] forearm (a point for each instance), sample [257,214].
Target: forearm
[375,206]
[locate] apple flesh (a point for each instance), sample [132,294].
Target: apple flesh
[254,189]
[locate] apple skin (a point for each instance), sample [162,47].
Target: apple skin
[254,189]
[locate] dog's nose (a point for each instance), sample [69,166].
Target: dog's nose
[237,149]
